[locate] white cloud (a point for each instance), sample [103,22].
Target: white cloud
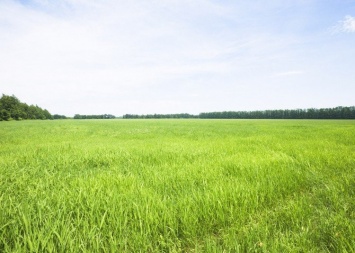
[347,25]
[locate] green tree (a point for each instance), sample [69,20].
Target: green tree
[4,114]
[11,107]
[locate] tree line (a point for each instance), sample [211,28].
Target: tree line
[101,116]
[160,116]
[57,116]
[312,113]
[339,112]
[12,108]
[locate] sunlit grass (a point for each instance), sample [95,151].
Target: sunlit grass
[177,186]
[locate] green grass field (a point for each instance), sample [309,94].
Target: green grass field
[177,186]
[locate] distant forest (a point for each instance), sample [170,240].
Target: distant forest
[312,113]
[11,108]
[101,116]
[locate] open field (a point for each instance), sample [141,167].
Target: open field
[177,186]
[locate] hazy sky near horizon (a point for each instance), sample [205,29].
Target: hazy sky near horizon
[175,56]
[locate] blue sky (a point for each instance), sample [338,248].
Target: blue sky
[172,56]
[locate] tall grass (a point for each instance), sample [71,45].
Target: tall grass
[177,186]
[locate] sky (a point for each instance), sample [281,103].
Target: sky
[177,56]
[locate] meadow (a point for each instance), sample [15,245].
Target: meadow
[177,186]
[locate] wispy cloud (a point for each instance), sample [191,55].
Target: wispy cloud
[349,24]
[346,25]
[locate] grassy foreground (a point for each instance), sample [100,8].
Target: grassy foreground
[177,186]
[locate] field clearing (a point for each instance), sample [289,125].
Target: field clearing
[177,186]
